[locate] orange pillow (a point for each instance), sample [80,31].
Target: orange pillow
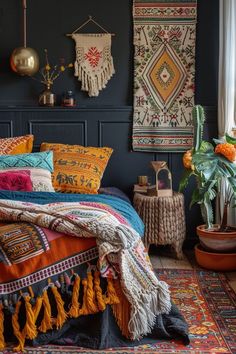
[77,169]
[16,145]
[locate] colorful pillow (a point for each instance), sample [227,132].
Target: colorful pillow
[41,178]
[37,159]
[15,181]
[16,145]
[77,169]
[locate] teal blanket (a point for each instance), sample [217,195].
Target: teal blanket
[121,206]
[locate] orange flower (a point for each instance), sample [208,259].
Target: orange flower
[227,150]
[187,160]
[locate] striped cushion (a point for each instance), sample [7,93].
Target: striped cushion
[16,145]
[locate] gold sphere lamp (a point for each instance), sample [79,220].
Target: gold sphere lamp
[24,60]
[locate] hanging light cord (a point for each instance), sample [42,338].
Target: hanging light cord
[25,9]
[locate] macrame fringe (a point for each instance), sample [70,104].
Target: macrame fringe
[93,301]
[94,83]
[149,306]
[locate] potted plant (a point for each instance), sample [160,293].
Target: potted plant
[212,166]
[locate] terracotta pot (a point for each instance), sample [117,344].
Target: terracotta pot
[215,261]
[213,240]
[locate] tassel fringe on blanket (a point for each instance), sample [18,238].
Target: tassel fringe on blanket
[94,63]
[40,307]
[118,243]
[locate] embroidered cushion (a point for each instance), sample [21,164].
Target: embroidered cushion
[41,178]
[37,159]
[16,145]
[21,241]
[77,169]
[16,181]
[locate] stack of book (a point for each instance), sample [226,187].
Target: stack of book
[140,189]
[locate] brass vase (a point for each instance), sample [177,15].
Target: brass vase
[47,98]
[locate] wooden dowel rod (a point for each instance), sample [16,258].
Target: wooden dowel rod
[71,34]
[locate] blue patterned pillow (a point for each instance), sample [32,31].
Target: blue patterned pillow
[37,160]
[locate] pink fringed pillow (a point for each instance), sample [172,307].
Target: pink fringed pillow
[16,181]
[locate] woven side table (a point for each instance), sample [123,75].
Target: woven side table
[164,220]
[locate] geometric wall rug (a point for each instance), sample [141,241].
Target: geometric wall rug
[164,73]
[208,304]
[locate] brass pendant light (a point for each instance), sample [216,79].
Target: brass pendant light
[24,60]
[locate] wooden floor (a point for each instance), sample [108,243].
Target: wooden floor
[163,259]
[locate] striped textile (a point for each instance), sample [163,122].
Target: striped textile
[120,249]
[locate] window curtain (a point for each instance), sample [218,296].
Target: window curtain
[227,77]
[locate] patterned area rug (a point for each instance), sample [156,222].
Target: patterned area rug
[209,306]
[164,67]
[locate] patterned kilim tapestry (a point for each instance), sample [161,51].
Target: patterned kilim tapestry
[164,67]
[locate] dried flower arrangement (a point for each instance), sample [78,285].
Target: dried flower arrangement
[50,73]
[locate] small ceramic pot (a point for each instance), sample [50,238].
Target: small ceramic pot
[214,240]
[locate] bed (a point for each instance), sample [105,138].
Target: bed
[73,268]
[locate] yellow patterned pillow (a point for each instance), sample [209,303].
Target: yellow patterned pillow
[16,145]
[77,169]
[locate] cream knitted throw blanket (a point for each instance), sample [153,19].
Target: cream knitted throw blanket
[94,63]
[147,295]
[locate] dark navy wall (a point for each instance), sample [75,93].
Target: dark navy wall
[48,22]
[207,49]
[107,119]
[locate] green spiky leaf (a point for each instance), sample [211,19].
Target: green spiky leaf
[198,121]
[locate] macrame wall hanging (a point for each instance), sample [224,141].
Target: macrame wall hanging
[94,63]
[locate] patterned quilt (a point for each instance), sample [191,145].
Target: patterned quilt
[41,249]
